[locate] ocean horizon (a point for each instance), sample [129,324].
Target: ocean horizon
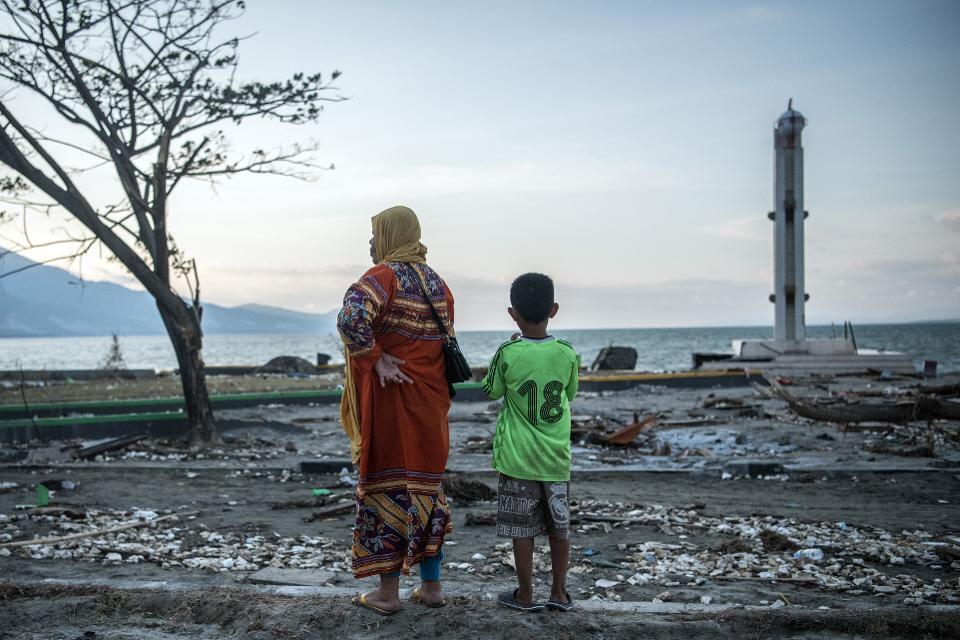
[659,349]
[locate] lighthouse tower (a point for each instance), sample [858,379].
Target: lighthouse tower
[789,295]
[788,216]
[790,351]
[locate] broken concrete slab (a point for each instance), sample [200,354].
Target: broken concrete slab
[292,577]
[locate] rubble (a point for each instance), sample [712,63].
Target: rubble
[173,540]
[833,556]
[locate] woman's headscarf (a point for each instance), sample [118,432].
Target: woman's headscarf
[396,238]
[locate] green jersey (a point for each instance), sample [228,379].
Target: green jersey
[537,380]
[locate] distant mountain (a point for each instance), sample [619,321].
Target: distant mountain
[48,301]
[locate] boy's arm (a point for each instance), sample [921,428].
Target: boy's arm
[574,383]
[493,384]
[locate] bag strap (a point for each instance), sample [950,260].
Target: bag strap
[433,309]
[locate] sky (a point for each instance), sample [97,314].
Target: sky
[624,148]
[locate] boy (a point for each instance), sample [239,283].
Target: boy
[536,374]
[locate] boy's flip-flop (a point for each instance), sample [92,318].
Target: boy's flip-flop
[561,606]
[417,597]
[509,599]
[361,601]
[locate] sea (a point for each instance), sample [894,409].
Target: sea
[658,349]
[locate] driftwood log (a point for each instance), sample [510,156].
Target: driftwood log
[919,407]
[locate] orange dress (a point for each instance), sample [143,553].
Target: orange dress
[402,514]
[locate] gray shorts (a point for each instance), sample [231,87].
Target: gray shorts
[528,508]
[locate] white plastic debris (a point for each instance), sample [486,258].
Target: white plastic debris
[345,478]
[603,583]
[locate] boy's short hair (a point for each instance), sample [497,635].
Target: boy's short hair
[532,296]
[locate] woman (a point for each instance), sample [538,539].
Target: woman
[394,408]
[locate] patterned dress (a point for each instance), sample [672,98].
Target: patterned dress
[402,514]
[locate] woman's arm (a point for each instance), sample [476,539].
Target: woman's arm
[363,304]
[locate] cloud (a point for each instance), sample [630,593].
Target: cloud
[950,219]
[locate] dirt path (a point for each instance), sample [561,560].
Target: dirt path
[219,613]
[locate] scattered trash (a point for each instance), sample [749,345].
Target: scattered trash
[603,583]
[810,554]
[320,492]
[60,485]
[104,446]
[43,496]
[169,540]
[629,433]
[345,479]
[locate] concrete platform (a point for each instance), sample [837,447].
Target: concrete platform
[787,364]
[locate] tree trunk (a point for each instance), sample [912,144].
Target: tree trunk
[187,343]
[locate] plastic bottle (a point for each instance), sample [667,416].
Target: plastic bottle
[810,554]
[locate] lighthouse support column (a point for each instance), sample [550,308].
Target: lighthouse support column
[788,216]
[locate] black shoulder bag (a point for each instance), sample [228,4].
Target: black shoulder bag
[457,369]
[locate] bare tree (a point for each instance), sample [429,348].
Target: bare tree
[149,88]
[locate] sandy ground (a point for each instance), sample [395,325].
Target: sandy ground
[832,489]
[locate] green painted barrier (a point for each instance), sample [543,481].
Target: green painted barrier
[104,419]
[133,404]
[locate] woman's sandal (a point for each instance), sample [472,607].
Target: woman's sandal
[418,598]
[561,606]
[509,599]
[361,601]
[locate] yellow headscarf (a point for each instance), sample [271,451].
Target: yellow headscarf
[396,238]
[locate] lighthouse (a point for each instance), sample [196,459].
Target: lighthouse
[788,216]
[790,351]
